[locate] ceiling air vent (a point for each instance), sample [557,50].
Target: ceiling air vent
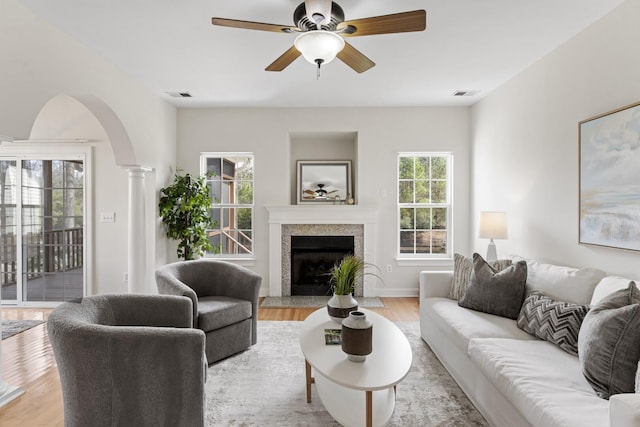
[465,92]
[179,94]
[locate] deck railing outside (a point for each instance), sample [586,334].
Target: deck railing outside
[52,251]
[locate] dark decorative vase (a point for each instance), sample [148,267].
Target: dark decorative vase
[357,336]
[339,307]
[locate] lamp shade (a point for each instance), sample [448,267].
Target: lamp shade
[319,46]
[493,225]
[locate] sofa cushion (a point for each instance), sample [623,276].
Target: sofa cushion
[462,324]
[607,286]
[495,292]
[562,283]
[218,312]
[609,343]
[543,382]
[462,267]
[555,321]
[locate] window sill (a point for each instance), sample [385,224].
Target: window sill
[425,262]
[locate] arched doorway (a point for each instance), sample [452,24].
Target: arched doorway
[45,266]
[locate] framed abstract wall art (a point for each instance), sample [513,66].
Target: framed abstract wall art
[609,150]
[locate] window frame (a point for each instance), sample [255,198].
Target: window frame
[448,254]
[204,156]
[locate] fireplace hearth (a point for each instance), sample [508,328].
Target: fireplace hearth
[312,258]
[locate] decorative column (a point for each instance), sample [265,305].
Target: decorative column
[7,392]
[137,243]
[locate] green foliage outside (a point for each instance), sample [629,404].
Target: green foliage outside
[423,180]
[245,196]
[184,209]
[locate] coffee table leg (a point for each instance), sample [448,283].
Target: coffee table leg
[369,408]
[310,381]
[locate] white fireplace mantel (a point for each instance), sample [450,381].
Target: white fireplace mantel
[318,214]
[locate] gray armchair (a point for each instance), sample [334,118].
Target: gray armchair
[225,301]
[129,360]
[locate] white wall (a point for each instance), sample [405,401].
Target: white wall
[381,134]
[525,142]
[39,62]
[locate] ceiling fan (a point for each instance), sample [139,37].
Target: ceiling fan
[321,30]
[319,193]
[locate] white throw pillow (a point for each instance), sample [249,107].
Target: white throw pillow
[561,283]
[607,286]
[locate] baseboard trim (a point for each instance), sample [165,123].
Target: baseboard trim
[397,292]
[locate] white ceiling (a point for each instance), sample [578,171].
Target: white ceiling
[170,45]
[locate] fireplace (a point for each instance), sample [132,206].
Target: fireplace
[312,258]
[323,220]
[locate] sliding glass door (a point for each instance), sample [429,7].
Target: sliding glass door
[8,231]
[42,229]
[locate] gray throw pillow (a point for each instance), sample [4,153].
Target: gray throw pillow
[609,343]
[462,267]
[555,321]
[495,292]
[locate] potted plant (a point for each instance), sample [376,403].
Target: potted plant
[343,279]
[185,211]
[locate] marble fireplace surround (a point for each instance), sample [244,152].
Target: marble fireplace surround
[343,220]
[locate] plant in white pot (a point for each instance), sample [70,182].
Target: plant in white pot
[343,279]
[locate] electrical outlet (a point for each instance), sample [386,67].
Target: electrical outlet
[389,268]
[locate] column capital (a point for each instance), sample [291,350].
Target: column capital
[137,170]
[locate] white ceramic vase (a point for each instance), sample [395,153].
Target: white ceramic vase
[339,307]
[357,336]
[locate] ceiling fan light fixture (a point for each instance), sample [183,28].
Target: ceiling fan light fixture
[319,46]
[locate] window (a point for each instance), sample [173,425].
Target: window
[230,180]
[424,204]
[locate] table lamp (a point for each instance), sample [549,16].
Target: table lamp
[493,225]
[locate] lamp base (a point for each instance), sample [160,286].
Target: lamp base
[492,254]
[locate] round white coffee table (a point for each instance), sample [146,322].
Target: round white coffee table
[355,394]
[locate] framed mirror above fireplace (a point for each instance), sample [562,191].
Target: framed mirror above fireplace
[325,181]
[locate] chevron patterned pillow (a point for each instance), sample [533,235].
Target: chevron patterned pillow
[555,321]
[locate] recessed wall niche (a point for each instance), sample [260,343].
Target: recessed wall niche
[322,146]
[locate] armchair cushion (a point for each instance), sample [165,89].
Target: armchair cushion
[219,312]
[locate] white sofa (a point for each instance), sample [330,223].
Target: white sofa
[513,378]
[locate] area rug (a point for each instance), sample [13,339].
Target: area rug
[313,301]
[265,386]
[13,327]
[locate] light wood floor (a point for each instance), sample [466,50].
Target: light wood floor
[28,362]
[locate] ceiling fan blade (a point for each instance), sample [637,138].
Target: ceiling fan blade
[249,25]
[284,60]
[355,59]
[318,7]
[309,192]
[403,22]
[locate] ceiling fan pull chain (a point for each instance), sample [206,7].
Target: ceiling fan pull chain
[319,62]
